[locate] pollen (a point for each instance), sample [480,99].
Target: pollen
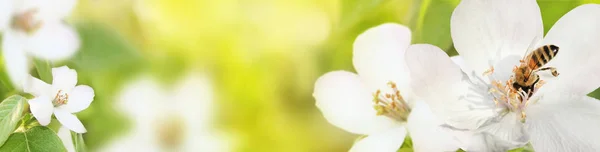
[391,104]
[515,100]
[61,98]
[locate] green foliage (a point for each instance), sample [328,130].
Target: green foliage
[354,12]
[10,114]
[552,10]
[44,70]
[432,22]
[407,145]
[103,50]
[522,149]
[407,142]
[35,139]
[405,150]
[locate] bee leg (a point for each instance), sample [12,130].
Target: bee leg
[552,70]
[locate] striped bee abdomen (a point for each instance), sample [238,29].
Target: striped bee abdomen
[542,55]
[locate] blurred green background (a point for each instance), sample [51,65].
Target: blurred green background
[263,57]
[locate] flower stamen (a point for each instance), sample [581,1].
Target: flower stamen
[391,104]
[60,98]
[26,21]
[488,71]
[515,100]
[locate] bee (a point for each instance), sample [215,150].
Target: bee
[526,77]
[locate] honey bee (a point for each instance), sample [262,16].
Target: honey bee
[526,77]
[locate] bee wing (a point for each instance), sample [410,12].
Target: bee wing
[531,47]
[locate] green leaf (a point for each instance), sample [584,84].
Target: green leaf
[10,114]
[405,150]
[78,142]
[35,139]
[432,23]
[44,70]
[552,10]
[407,142]
[516,150]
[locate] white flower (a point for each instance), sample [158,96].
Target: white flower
[35,28]
[358,103]
[62,98]
[487,33]
[173,119]
[65,136]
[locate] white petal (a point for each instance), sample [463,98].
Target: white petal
[48,10]
[141,98]
[567,125]
[41,108]
[6,12]
[193,99]
[37,87]
[53,41]
[458,60]
[80,98]
[345,103]
[476,141]
[426,132]
[507,129]
[208,141]
[385,141]
[58,8]
[446,89]
[69,120]
[379,55]
[15,59]
[64,78]
[577,36]
[65,136]
[484,31]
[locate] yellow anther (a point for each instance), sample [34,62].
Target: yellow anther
[489,71]
[391,103]
[380,109]
[492,90]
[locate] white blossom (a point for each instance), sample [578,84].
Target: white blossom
[35,28]
[65,136]
[377,101]
[62,98]
[168,117]
[496,34]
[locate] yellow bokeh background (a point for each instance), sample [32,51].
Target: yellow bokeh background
[263,56]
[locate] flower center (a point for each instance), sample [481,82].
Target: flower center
[61,98]
[506,95]
[26,21]
[171,132]
[391,104]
